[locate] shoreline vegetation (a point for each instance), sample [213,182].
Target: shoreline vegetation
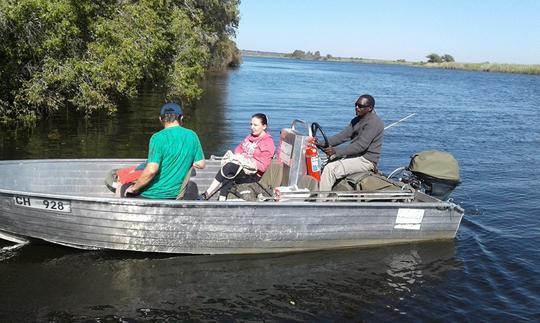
[90,56]
[533,69]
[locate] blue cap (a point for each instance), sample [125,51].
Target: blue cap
[171,108]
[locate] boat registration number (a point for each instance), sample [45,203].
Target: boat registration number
[43,204]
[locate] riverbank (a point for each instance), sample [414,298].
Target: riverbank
[482,67]
[487,67]
[133,43]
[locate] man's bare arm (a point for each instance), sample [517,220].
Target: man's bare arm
[147,175]
[199,164]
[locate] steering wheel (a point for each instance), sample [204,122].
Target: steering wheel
[317,127]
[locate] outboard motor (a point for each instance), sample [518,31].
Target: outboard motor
[434,172]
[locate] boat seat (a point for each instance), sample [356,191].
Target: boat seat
[308,182]
[250,191]
[365,181]
[272,178]
[188,190]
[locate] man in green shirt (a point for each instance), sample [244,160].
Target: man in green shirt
[172,152]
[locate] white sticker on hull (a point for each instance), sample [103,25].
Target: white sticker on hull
[409,219]
[43,204]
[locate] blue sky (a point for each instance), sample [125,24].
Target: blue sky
[471,31]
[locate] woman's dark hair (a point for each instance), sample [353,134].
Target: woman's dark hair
[262,117]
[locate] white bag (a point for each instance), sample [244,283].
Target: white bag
[247,164]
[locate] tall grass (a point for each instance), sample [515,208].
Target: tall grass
[487,67]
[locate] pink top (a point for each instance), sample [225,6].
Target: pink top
[261,149]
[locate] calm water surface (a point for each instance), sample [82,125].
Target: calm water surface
[490,272]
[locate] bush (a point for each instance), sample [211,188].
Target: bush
[434,58]
[447,58]
[90,54]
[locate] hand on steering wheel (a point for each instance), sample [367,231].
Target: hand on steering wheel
[314,128]
[330,151]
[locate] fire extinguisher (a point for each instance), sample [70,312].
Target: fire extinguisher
[313,162]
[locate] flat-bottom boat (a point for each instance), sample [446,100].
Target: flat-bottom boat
[66,202]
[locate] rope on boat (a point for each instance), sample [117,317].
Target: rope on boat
[396,171]
[13,247]
[19,242]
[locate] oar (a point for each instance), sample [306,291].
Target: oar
[399,121]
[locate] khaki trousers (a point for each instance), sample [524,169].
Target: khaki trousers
[339,169]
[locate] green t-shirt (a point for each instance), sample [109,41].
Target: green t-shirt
[174,149]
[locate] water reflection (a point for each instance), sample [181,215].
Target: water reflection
[64,283]
[124,135]
[403,271]
[208,116]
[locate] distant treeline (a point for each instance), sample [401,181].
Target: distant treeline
[91,54]
[445,61]
[300,54]
[436,58]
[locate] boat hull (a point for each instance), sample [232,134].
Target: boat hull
[208,227]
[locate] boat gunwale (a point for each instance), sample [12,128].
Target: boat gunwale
[199,204]
[41,160]
[215,204]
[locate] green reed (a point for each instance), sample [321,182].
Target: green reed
[487,67]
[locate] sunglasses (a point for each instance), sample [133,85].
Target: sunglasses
[359,106]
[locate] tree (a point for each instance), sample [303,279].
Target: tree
[447,58]
[298,54]
[434,58]
[89,55]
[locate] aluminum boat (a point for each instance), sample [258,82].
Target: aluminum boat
[65,201]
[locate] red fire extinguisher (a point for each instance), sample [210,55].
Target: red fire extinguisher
[313,162]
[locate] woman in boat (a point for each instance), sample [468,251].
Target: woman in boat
[256,149]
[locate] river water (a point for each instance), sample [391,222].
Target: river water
[489,121]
